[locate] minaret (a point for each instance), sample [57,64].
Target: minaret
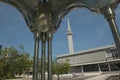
[70,39]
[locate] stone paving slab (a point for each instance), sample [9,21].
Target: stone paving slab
[20,79]
[104,76]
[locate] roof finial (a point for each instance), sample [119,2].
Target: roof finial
[69,32]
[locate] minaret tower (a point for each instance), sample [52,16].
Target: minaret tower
[70,39]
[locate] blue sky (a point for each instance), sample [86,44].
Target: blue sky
[90,30]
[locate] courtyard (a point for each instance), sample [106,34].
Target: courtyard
[85,76]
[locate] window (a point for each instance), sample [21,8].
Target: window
[115,53]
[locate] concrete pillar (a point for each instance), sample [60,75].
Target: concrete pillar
[49,38]
[110,16]
[99,67]
[43,55]
[82,70]
[109,66]
[36,54]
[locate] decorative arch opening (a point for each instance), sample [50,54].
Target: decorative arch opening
[84,24]
[14,30]
[44,16]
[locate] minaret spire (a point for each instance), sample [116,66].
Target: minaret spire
[69,28]
[70,39]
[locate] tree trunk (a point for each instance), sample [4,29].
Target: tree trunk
[58,77]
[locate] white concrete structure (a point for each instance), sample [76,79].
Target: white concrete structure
[99,59]
[70,39]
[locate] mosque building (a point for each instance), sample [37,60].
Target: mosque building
[98,59]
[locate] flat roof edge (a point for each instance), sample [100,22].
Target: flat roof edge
[85,51]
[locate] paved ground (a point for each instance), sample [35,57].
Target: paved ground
[104,76]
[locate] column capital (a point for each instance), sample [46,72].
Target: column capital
[36,35]
[108,12]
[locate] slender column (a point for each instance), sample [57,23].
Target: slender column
[82,69]
[109,66]
[49,56]
[36,54]
[43,55]
[99,67]
[110,16]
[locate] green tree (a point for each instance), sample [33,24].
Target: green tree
[14,62]
[2,66]
[61,68]
[23,64]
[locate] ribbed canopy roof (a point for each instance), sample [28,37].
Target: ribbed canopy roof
[55,9]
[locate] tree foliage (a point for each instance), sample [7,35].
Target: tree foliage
[61,68]
[13,62]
